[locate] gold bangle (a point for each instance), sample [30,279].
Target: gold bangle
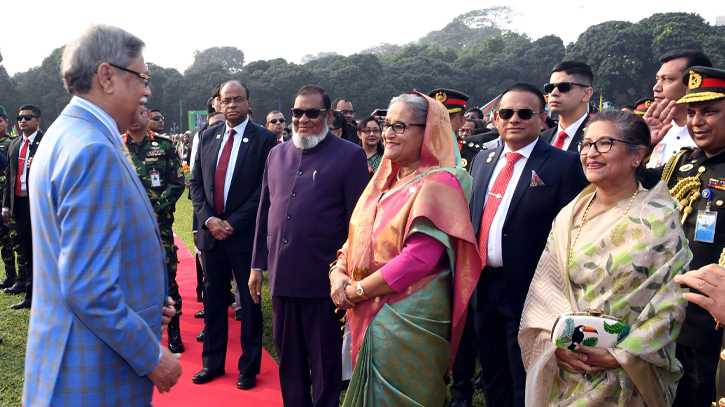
[336,266]
[360,291]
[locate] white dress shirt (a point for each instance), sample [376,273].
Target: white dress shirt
[675,139]
[238,140]
[495,254]
[570,132]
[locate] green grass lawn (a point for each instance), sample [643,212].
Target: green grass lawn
[14,324]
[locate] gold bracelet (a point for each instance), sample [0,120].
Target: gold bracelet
[360,291]
[336,266]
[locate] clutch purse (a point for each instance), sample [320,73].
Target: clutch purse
[592,328]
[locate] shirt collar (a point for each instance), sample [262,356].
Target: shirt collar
[571,131]
[525,151]
[239,129]
[100,114]
[31,138]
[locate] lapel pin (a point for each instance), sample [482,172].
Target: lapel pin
[218,136]
[492,154]
[489,160]
[246,140]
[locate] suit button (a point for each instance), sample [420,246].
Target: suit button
[299,172]
[294,194]
[284,240]
[287,216]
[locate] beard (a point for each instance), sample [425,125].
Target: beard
[309,142]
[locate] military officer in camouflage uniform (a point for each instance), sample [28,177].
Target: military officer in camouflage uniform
[159,168]
[696,177]
[9,239]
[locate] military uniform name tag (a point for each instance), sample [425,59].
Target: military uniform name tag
[705,226]
[155,178]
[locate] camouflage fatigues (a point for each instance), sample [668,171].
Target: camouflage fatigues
[153,157]
[9,240]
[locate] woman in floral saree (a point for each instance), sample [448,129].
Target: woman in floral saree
[617,247]
[410,263]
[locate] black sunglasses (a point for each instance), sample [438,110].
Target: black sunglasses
[346,112]
[27,117]
[562,86]
[146,77]
[274,121]
[524,114]
[310,113]
[157,118]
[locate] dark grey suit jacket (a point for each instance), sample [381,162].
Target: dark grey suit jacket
[550,136]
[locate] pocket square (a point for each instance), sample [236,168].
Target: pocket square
[535,180]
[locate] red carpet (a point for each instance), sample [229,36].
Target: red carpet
[221,391]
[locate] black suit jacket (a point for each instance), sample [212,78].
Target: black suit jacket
[531,212]
[550,136]
[242,202]
[11,172]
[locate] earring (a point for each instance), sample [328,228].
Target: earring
[636,162]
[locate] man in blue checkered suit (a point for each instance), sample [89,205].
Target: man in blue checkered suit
[101,280]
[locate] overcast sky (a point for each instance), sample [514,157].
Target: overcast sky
[265,30]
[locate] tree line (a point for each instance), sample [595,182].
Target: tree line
[475,54]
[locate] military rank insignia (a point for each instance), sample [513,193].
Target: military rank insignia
[717,183]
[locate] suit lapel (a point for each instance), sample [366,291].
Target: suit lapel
[534,163]
[217,143]
[482,182]
[243,148]
[578,136]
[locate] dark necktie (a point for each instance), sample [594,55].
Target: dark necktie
[560,140]
[494,200]
[21,166]
[221,173]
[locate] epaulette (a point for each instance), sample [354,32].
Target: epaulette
[672,163]
[159,135]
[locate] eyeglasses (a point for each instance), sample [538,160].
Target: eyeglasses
[347,112]
[371,130]
[157,118]
[274,121]
[236,100]
[399,127]
[27,117]
[524,114]
[562,86]
[146,77]
[310,113]
[471,117]
[603,145]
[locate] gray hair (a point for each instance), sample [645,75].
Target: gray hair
[99,43]
[632,129]
[416,103]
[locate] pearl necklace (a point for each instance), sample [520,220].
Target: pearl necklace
[398,174]
[584,219]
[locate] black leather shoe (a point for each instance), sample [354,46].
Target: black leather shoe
[199,314]
[174,333]
[202,334]
[246,382]
[206,375]
[477,381]
[460,403]
[7,283]
[199,298]
[17,288]
[238,315]
[23,304]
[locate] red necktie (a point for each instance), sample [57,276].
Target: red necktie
[494,200]
[560,140]
[221,173]
[21,165]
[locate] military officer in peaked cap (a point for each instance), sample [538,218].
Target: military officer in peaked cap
[696,178]
[640,108]
[455,102]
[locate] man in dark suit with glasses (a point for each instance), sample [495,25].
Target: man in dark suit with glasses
[569,89]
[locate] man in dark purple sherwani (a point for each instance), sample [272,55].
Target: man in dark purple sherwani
[309,190]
